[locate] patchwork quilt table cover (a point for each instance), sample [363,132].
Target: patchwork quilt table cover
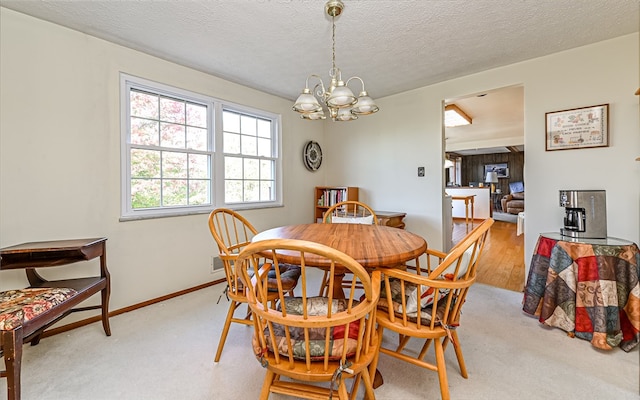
[587,287]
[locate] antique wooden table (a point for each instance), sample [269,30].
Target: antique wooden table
[32,255]
[391,218]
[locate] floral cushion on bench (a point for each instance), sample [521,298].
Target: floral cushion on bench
[21,305]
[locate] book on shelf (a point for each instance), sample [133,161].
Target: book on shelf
[332,196]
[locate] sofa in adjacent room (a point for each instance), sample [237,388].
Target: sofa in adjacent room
[513,203]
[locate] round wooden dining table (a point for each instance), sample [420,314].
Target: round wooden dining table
[373,246]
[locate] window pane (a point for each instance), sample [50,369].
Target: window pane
[145,163]
[143,105]
[266,169]
[254,145]
[248,125]
[199,166]
[231,122]
[174,192]
[249,145]
[233,191]
[172,135]
[264,128]
[264,147]
[145,193]
[196,115]
[251,191]
[172,110]
[169,151]
[199,192]
[267,191]
[232,168]
[144,131]
[251,169]
[231,143]
[174,165]
[197,138]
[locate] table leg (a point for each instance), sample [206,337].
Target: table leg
[472,208]
[466,214]
[338,293]
[106,292]
[12,344]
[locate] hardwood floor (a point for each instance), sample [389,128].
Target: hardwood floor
[502,262]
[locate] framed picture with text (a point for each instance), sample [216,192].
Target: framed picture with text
[577,128]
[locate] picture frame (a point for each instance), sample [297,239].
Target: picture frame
[502,169]
[577,128]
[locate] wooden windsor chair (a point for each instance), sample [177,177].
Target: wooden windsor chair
[232,232]
[315,342]
[346,212]
[426,304]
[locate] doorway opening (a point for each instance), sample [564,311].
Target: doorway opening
[491,141]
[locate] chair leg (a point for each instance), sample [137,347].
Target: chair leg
[355,385]
[342,390]
[442,370]
[425,348]
[374,375]
[402,342]
[12,348]
[458,349]
[225,330]
[266,385]
[368,386]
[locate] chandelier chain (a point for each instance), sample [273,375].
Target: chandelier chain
[333,38]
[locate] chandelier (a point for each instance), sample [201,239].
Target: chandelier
[339,100]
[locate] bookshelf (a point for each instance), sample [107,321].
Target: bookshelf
[326,196]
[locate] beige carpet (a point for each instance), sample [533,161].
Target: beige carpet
[166,351]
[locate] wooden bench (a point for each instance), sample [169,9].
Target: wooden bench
[65,295]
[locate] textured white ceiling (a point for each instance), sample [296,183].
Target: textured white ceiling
[394,45]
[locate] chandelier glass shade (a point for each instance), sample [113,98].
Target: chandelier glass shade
[341,104]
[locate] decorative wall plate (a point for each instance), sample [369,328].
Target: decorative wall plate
[312,156]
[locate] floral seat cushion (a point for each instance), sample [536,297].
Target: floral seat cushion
[316,306]
[410,302]
[21,305]
[428,295]
[289,275]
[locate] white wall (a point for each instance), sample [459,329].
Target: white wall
[60,158]
[381,153]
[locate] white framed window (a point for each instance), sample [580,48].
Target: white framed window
[170,162]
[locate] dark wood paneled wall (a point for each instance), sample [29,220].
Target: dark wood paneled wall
[473,168]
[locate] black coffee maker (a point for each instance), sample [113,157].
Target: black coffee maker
[585,213]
